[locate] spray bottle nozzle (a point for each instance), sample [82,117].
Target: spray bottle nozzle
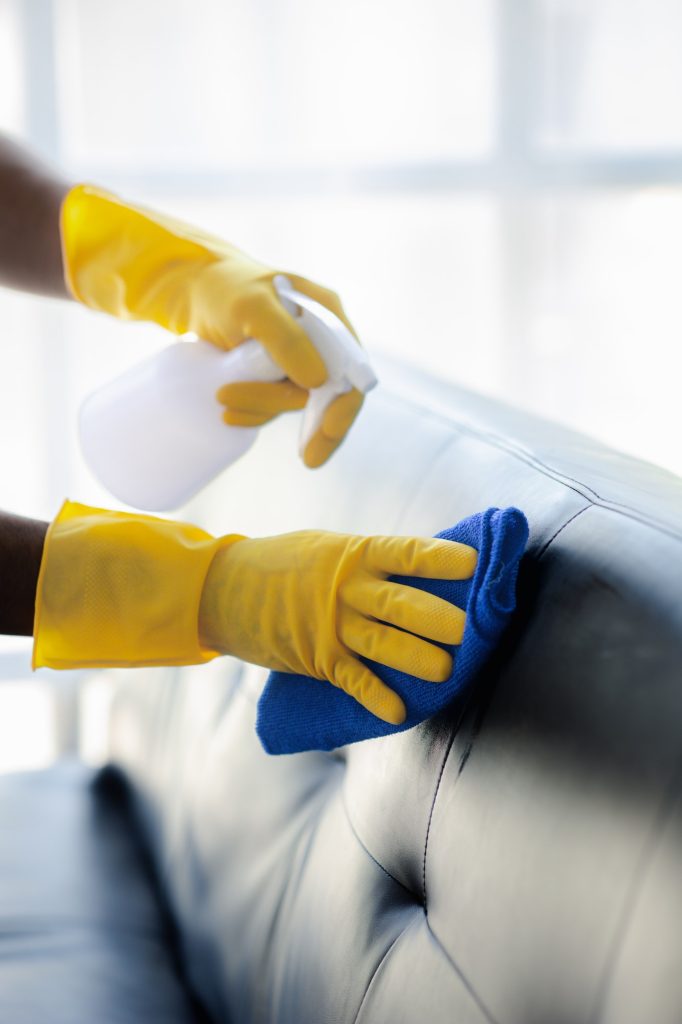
[346,361]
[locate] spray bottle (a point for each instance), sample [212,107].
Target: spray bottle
[155,436]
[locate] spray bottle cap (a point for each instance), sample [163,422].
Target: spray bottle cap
[346,361]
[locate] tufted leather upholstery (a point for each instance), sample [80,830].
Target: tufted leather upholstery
[515,860]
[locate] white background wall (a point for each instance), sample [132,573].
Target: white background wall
[493,186]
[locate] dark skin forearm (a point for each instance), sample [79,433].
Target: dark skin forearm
[30,259]
[30,243]
[21,550]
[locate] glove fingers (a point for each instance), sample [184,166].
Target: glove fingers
[262,398]
[339,414]
[266,319]
[336,422]
[360,682]
[406,607]
[426,558]
[391,647]
[318,449]
[325,296]
[234,418]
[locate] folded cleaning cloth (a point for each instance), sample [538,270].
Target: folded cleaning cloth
[297,712]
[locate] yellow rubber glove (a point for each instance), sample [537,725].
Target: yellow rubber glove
[120,589]
[312,602]
[139,265]
[123,589]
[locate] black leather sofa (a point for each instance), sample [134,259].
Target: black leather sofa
[516,860]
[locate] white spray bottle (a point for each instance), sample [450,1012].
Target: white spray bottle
[155,436]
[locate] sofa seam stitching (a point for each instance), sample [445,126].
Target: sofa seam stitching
[446,756]
[369,853]
[465,981]
[618,508]
[463,760]
[431,812]
[497,441]
[378,967]
[563,526]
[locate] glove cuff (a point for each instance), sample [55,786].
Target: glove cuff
[123,260]
[121,589]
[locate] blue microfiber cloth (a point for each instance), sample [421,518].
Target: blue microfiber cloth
[299,713]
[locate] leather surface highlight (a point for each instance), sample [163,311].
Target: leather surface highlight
[514,859]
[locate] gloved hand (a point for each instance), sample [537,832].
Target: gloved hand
[312,602]
[139,265]
[127,589]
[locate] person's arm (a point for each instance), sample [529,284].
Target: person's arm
[30,201]
[21,551]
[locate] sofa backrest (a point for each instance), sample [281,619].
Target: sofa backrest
[515,859]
